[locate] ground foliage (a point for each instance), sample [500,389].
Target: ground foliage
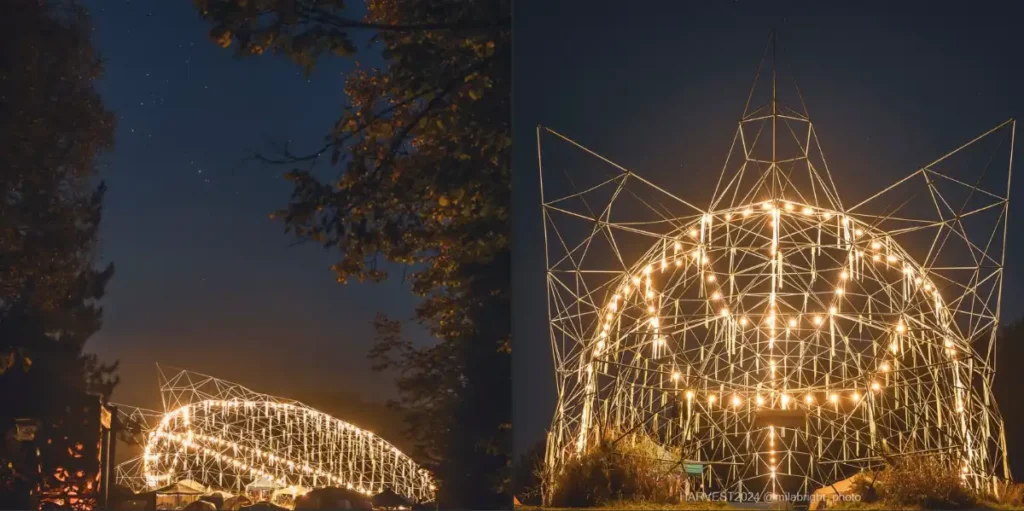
[919,481]
[619,468]
[422,147]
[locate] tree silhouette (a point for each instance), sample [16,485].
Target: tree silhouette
[52,128]
[423,148]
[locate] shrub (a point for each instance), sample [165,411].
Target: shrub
[925,481]
[1011,495]
[630,469]
[865,486]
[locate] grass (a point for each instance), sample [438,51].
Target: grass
[638,506]
[627,505]
[872,506]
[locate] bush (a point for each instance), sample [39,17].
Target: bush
[925,481]
[1011,495]
[865,486]
[631,469]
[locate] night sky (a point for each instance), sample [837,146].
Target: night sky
[659,90]
[204,279]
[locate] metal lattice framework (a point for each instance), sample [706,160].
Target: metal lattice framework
[780,337]
[225,436]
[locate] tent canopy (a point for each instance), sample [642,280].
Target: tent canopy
[183,487]
[263,483]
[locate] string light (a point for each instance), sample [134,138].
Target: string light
[725,319]
[201,430]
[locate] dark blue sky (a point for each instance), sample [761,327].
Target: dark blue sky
[204,279]
[659,87]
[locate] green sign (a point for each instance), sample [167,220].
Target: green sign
[695,469]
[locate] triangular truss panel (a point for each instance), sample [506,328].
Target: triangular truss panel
[786,336]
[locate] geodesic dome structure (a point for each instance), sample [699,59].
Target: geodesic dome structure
[226,437]
[779,338]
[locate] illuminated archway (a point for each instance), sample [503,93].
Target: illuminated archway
[225,436]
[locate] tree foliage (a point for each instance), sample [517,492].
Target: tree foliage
[423,148]
[53,126]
